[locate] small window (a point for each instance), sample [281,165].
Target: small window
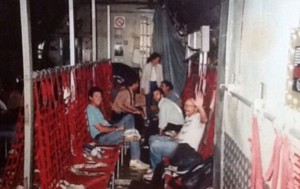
[293,82]
[296,71]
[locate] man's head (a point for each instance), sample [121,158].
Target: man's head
[189,107]
[133,83]
[166,86]
[157,94]
[95,96]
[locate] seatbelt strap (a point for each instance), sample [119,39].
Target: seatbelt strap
[256,167]
[273,170]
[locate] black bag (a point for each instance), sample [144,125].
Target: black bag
[200,177]
[172,127]
[157,179]
[185,158]
[194,171]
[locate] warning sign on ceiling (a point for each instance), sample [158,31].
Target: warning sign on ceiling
[119,22]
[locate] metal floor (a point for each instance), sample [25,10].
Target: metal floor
[130,178]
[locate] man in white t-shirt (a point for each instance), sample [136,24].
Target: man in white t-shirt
[191,133]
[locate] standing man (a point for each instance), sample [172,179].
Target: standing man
[106,134]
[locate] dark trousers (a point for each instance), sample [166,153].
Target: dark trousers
[149,99]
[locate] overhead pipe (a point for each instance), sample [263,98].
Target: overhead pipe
[267,115]
[104,2]
[188,54]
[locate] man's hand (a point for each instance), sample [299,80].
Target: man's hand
[154,108]
[121,128]
[198,101]
[137,112]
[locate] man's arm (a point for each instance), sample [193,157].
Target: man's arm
[203,116]
[121,102]
[143,80]
[199,103]
[162,117]
[104,129]
[96,123]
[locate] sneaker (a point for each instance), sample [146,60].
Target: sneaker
[138,164]
[132,135]
[148,176]
[149,171]
[146,122]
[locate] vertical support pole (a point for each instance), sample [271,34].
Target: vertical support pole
[72,46]
[218,164]
[188,54]
[94,74]
[194,40]
[205,46]
[118,168]
[72,33]
[200,63]
[28,94]
[94,31]
[113,181]
[108,32]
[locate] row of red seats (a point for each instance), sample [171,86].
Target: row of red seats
[60,130]
[206,147]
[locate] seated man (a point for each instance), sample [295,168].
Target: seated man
[105,133]
[124,103]
[191,133]
[167,88]
[170,116]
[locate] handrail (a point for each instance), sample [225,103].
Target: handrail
[247,102]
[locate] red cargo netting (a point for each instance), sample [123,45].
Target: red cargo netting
[207,84]
[104,81]
[206,147]
[61,130]
[12,174]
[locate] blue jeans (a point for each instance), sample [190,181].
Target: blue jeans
[127,121]
[116,137]
[160,146]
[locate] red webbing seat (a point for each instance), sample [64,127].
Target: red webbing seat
[190,84]
[80,135]
[60,131]
[90,182]
[206,147]
[52,136]
[104,81]
[256,180]
[12,173]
